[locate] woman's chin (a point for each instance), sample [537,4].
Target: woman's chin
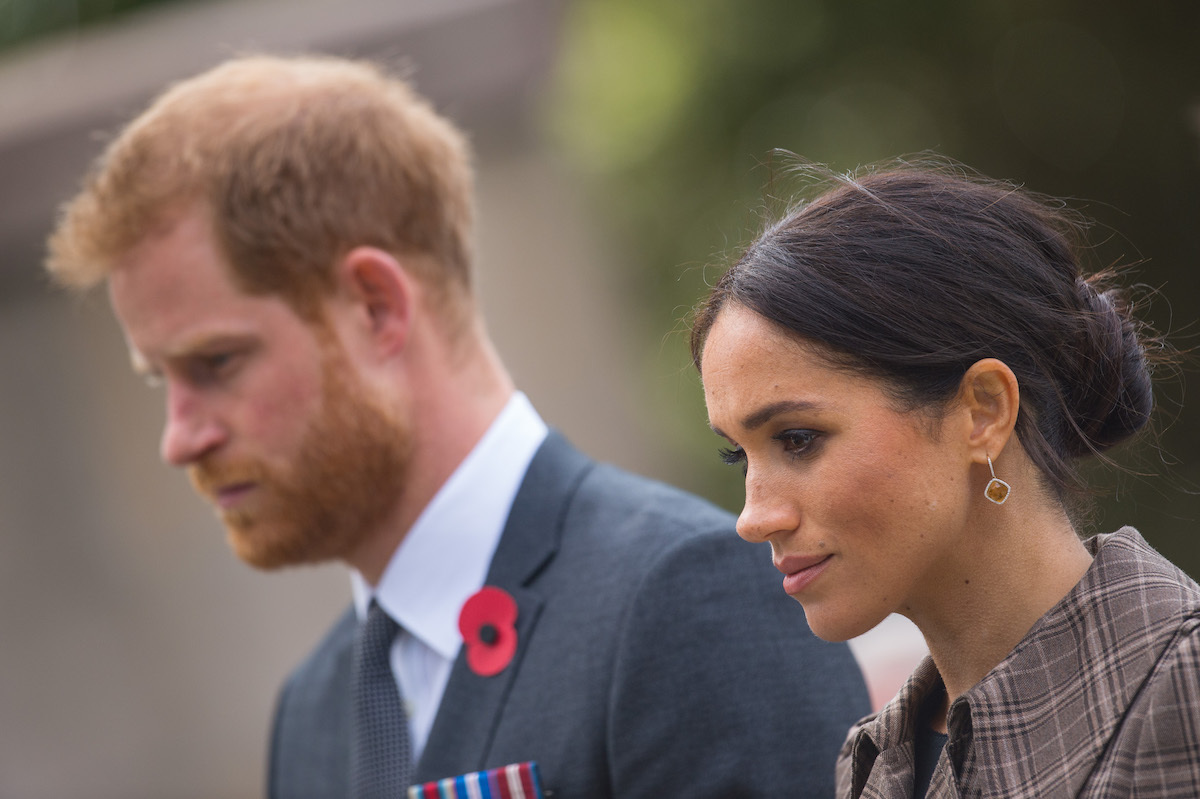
[834,627]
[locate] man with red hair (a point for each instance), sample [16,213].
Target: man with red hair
[286,245]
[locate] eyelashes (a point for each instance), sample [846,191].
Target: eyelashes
[731,456]
[796,444]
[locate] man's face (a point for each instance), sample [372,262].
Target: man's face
[265,410]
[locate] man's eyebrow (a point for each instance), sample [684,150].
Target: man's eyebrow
[188,349]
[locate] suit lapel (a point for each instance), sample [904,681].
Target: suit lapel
[471,705]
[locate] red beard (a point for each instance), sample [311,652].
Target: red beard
[344,481]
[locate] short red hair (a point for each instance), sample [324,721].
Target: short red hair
[297,160]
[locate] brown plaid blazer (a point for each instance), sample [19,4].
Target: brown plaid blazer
[1100,699]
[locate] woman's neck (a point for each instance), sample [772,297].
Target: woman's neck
[1011,570]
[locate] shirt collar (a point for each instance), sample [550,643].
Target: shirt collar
[884,734]
[444,557]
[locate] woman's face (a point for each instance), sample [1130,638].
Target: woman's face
[864,505]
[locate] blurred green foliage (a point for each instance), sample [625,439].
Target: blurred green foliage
[23,21]
[672,110]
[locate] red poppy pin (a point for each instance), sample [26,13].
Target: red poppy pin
[487,624]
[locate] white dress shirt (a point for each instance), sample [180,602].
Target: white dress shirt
[444,559]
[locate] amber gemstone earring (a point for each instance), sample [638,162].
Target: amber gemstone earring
[996,489]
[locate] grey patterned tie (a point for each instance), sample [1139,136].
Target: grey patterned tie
[380,752]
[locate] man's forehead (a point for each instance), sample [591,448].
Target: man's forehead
[173,282]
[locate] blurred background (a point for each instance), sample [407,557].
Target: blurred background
[624,153]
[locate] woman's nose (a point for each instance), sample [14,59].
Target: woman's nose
[768,510]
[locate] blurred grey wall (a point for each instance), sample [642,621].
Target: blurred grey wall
[138,657]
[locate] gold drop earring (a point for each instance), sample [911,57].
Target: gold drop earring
[996,490]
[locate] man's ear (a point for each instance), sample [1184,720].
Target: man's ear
[382,294]
[992,398]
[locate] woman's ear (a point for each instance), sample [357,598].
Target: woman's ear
[381,294]
[992,398]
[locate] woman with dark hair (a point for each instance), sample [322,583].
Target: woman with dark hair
[908,369]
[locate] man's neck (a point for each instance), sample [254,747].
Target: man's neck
[453,403]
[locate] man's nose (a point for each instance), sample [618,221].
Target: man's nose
[190,430]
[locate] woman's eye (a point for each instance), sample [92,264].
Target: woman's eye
[797,442]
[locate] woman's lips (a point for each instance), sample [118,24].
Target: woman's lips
[800,571]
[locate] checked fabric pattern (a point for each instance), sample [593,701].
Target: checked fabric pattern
[1101,699]
[380,750]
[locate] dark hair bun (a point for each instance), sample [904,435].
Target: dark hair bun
[1115,395]
[910,274]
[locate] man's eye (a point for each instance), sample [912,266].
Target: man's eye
[213,366]
[217,362]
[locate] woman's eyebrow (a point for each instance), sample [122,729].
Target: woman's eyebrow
[758,418]
[766,413]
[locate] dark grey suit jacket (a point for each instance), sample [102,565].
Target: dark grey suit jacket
[657,657]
